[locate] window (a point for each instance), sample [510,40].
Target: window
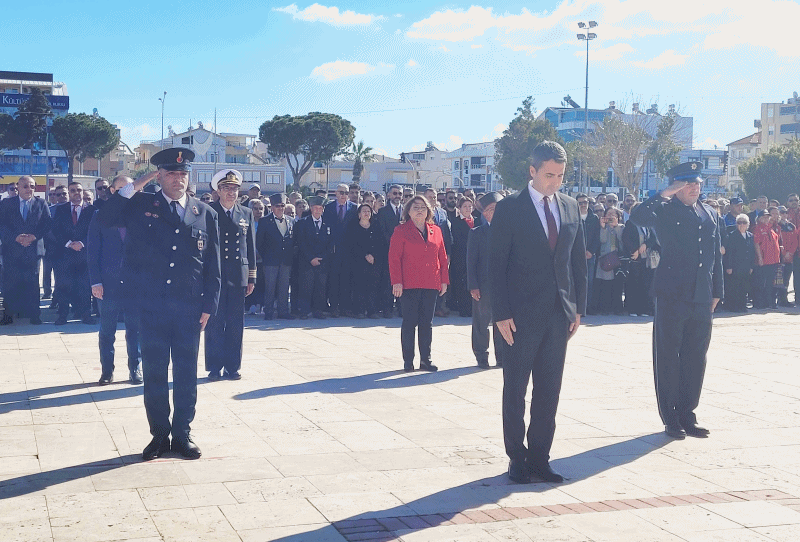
[748,151]
[272,178]
[770,112]
[418,156]
[203,177]
[733,171]
[185,140]
[456,165]
[252,176]
[705,163]
[771,129]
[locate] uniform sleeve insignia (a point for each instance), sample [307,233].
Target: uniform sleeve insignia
[155,203]
[148,214]
[200,244]
[155,215]
[194,210]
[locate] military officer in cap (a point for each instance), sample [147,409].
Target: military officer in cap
[223,342]
[478,284]
[687,285]
[315,245]
[275,243]
[171,263]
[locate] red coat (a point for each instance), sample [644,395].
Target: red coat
[416,263]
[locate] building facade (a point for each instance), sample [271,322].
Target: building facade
[472,166]
[740,151]
[779,122]
[432,166]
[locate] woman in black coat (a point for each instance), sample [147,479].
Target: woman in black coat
[460,299]
[366,247]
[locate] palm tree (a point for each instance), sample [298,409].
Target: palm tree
[359,153]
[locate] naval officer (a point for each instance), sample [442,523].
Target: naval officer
[688,286]
[171,264]
[223,340]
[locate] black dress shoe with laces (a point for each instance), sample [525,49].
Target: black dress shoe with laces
[518,472]
[544,472]
[674,430]
[156,448]
[428,366]
[213,376]
[694,430]
[136,376]
[106,379]
[186,448]
[235,375]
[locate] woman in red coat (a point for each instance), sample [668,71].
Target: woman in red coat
[418,270]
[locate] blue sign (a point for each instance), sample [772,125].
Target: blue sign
[15,100]
[21,165]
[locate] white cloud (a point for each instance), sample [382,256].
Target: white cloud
[331,71]
[496,132]
[132,135]
[443,48]
[476,45]
[613,52]
[708,143]
[452,143]
[411,63]
[330,15]
[668,58]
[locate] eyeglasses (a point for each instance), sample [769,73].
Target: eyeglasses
[98,188]
[278,205]
[794,200]
[227,188]
[740,223]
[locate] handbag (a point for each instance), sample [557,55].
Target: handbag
[609,262]
[653,258]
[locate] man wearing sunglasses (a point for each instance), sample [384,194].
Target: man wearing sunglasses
[102,192]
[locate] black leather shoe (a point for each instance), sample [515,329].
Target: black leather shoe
[518,472]
[694,430]
[213,376]
[483,364]
[136,376]
[36,321]
[156,448]
[186,448]
[408,367]
[60,321]
[674,430]
[544,472]
[106,379]
[235,375]
[428,366]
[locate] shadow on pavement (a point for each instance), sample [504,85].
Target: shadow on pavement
[452,501]
[355,384]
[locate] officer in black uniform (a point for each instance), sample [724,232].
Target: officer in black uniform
[223,341]
[314,245]
[687,285]
[171,266]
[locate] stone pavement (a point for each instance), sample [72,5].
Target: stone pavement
[325,440]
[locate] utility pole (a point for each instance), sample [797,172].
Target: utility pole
[589,36]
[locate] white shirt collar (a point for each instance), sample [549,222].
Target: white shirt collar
[181,202]
[537,196]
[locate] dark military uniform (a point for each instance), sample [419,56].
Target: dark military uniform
[313,242]
[171,266]
[687,280]
[277,253]
[223,340]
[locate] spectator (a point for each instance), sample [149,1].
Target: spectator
[88,197]
[354,193]
[736,205]
[636,241]
[369,199]
[591,230]
[610,282]
[314,245]
[389,218]
[380,201]
[441,220]
[293,197]
[793,204]
[460,300]
[254,300]
[788,242]
[290,211]
[206,198]
[253,193]
[418,269]
[366,246]
[738,262]
[768,257]
[102,191]
[301,209]
[757,208]
[338,214]
[275,243]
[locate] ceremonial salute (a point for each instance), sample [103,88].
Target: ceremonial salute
[537,267]
[478,284]
[24,222]
[172,265]
[687,286]
[275,244]
[223,341]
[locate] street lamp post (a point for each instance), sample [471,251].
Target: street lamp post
[162,100]
[587,37]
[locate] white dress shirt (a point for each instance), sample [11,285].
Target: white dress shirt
[128,191]
[538,202]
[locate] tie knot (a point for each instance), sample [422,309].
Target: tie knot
[546,200]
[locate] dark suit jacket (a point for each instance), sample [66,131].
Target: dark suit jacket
[275,249]
[237,245]
[12,225]
[524,273]
[740,253]
[388,221]
[311,244]
[330,217]
[591,230]
[630,239]
[155,239]
[104,251]
[64,231]
[691,265]
[478,259]
[441,220]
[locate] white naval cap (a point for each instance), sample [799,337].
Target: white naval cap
[226,176]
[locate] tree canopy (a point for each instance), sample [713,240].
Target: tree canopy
[514,148]
[775,173]
[84,136]
[10,137]
[305,139]
[359,153]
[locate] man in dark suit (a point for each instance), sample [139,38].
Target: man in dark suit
[591,231]
[24,222]
[388,218]
[337,215]
[441,220]
[688,286]
[478,285]
[70,230]
[104,250]
[313,239]
[537,271]
[275,243]
[223,341]
[58,196]
[172,266]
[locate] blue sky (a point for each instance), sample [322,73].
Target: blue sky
[407,72]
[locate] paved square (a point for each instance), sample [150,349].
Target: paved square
[325,440]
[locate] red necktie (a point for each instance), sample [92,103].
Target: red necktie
[552,230]
[74,215]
